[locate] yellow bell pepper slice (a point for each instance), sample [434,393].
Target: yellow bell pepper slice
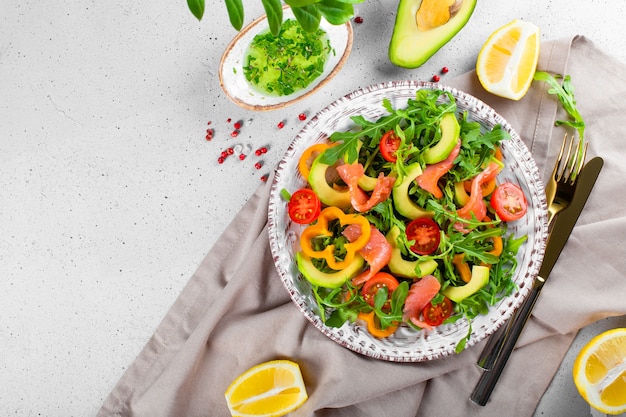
[320,228]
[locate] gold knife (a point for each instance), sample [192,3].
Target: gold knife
[507,338]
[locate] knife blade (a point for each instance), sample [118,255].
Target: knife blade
[506,340]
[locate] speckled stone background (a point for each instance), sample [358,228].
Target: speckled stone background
[110,195]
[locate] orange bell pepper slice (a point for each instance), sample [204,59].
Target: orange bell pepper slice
[320,228]
[309,154]
[373,327]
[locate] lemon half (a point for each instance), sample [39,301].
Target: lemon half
[600,372]
[508,60]
[270,389]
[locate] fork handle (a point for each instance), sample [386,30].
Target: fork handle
[500,351]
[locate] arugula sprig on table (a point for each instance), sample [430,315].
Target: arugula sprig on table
[565,94]
[307,12]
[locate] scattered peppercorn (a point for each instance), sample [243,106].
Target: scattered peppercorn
[234,133]
[258,165]
[242,156]
[281,124]
[436,78]
[237,125]
[358,20]
[444,70]
[302,116]
[264,178]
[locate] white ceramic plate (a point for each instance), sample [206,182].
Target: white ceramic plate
[406,345]
[238,89]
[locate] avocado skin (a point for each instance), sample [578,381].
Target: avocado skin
[411,47]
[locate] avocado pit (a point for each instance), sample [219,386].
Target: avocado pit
[434,13]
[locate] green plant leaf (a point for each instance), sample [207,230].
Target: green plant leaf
[274,11]
[301,3]
[336,12]
[308,16]
[235,13]
[196,7]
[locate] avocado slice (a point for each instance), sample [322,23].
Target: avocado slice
[450,131]
[324,279]
[401,200]
[411,46]
[480,278]
[327,194]
[400,266]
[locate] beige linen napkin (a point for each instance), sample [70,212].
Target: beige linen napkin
[235,313]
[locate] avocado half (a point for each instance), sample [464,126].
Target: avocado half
[410,46]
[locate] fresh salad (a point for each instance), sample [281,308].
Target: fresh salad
[405,221]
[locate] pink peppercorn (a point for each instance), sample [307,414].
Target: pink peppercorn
[436,78]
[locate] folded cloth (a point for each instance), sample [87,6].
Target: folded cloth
[235,312]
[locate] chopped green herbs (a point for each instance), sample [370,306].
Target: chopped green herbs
[283,64]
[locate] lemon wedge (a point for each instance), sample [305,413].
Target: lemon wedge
[270,389]
[600,372]
[507,61]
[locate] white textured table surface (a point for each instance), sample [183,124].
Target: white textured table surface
[110,196]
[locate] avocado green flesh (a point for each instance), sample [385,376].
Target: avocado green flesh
[450,131]
[480,278]
[411,47]
[400,266]
[324,279]
[327,194]
[401,199]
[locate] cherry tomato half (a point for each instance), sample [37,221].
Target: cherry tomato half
[389,144]
[434,315]
[426,234]
[304,206]
[509,202]
[378,281]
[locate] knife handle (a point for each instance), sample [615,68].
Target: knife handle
[492,350]
[506,343]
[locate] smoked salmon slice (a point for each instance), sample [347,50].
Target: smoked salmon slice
[420,294]
[361,201]
[377,251]
[476,204]
[432,173]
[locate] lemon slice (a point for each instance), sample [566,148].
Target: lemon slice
[600,372]
[507,61]
[272,388]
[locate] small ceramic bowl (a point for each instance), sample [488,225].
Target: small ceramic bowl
[239,90]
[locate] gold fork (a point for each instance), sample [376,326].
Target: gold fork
[559,192]
[562,183]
